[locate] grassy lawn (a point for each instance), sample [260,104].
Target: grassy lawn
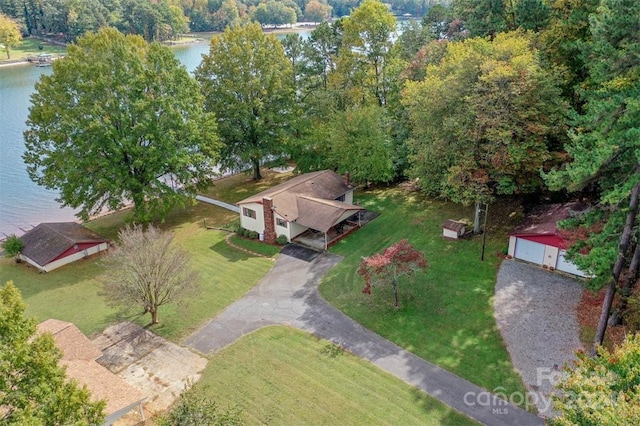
[256,246]
[304,380]
[71,293]
[31,47]
[446,315]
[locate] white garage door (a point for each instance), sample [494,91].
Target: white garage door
[530,251]
[565,265]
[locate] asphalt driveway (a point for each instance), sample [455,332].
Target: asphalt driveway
[288,294]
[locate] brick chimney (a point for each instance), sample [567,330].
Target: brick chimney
[347,179]
[269,225]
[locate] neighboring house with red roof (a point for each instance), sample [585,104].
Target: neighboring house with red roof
[316,202]
[538,241]
[51,245]
[79,358]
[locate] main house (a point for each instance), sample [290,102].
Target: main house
[51,245]
[313,203]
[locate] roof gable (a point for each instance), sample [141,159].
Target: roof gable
[47,241]
[324,184]
[321,214]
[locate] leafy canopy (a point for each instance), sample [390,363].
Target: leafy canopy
[386,268]
[248,83]
[34,388]
[483,119]
[603,390]
[120,121]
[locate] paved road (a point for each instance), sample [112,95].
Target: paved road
[288,294]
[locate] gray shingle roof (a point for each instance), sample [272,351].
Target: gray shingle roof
[47,241]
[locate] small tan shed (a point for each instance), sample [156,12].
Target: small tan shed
[453,229]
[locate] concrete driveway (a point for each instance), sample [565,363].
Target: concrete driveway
[288,294]
[535,310]
[161,370]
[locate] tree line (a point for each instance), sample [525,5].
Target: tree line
[165,19]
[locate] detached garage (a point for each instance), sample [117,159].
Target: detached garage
[538,241]
[51,245]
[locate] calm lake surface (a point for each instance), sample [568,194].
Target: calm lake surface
[23,204]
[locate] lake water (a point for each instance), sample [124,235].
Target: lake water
[23,204]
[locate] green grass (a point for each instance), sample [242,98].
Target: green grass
[31,47]
[446,315]
[280,375]
[71,293]
[256,246]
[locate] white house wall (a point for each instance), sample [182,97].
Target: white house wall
[512,246]
[76,256]
[550,256]
[67,259]
[282,230]
[449,233]
[251,224]
[348,197]
[295,230]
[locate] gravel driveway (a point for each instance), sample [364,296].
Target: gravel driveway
[535,311]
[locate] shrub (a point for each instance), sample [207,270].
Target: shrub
[241,231]
[12,246]
[282,240]
[253,235]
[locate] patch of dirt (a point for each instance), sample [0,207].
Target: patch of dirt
[588,315]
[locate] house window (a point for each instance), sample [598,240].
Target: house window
[248,213]
[341,198]
[281,222]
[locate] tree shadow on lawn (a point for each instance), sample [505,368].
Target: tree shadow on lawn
[230,253]
[31,281]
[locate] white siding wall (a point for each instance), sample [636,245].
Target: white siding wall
[348,197]
[550,256]
[256,224]
[512,246]
[449,233]
[66,260]
[295,230]
[279,229]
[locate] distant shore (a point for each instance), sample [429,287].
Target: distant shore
[189,38]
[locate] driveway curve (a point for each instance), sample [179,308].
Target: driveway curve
[288,294]
[536,313]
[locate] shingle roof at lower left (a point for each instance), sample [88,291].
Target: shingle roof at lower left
[47,241]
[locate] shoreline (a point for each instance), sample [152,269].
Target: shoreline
[197,38]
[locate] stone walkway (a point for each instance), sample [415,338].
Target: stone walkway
[288,294]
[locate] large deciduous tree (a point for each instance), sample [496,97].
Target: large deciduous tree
[604,152]
[147,270]
[120,121]
[9,34]
[34,388]
[248,83]
[483,120]
[366,45]
[386,268]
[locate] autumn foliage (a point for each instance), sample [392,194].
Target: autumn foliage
[385,268]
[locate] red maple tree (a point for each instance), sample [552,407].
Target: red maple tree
[387,267]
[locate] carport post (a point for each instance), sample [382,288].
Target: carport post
[325,240]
